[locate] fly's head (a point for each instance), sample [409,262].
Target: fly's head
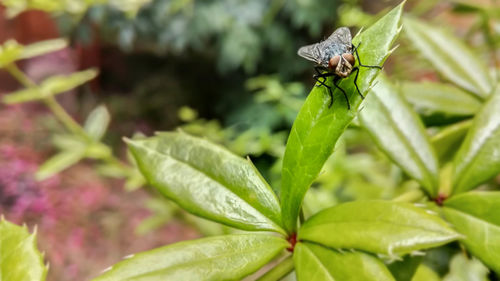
[342,65]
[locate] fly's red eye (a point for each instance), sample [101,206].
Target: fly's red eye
[332,63]
[349,58]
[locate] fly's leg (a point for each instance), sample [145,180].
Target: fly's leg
[324,76]
[356,81]
[321,75]
[355,50]
[335,81]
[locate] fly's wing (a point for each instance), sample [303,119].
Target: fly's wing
[310,52]
[340,41]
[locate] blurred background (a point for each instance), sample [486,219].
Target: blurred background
[223,69]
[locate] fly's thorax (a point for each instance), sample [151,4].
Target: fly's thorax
[342,65]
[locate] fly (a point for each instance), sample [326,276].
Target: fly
[335,57]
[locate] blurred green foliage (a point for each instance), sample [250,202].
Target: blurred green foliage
[174,48]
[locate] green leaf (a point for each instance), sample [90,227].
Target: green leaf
[475,215]
[464,269]
[229,257]
[398,131]
[481,204]
[43,47]
[20,259]
[313,262]
[59,162]
[24,95]
[208,181]
[425,273]
[381,227]
[62,83]
[447,142]
[450,56]
[431,98]
[53,85]
[97,122]
[405,269]
[318,127]
[478,159]
[10,51]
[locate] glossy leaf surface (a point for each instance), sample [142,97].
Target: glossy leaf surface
[450,56]
[429,98]
[20,259]
[207,180]
[398,131]
[478,159]
[381,227]
[229,257]
[318,126]
[476,216]
[314,262]
[97,122]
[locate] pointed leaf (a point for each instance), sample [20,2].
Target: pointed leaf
[314,262]
[97,122]
[380,227]
[430,98]
[24,95]
[447,142]
[62,83]
[20,259]
[54,85]
[398,131]
[318,126]
[208,181]
[450,56]
[478,159]
[43,47]
[229,257]
[475,215]
[59,162]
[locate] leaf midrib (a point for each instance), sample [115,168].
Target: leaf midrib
[382,222]
[473,216]
[408,144]
[203,260]
[273,223]
[476,155]
[319,262]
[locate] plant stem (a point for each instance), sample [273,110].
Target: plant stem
[20,76]
[410,196]
[62,115]
[279,271]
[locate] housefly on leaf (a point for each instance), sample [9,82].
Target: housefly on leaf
[335,57]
